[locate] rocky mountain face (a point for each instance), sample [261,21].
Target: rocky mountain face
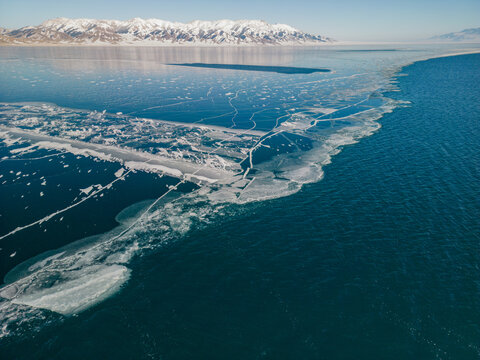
[158,32]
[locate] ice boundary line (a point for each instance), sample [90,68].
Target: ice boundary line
[139,218]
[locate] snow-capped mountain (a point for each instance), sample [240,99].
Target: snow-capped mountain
[467,35]
[156,32]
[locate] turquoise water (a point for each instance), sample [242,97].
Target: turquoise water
[379,259]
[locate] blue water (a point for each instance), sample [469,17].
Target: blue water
[276,69]
[378,259]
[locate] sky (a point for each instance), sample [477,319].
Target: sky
[355,20]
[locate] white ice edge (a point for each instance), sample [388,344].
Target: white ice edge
[94,285]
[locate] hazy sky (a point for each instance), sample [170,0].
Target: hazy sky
[341,19]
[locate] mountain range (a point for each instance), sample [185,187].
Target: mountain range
[158,32]
[467,35]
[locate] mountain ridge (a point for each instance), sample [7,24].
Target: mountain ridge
[466,35]
[158,32]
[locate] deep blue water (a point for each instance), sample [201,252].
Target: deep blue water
[380,259]
[277,69]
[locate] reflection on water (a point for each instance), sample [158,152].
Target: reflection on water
[84,58]
[149,58]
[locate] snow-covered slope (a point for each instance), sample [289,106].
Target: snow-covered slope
[154,31]
[467,35]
